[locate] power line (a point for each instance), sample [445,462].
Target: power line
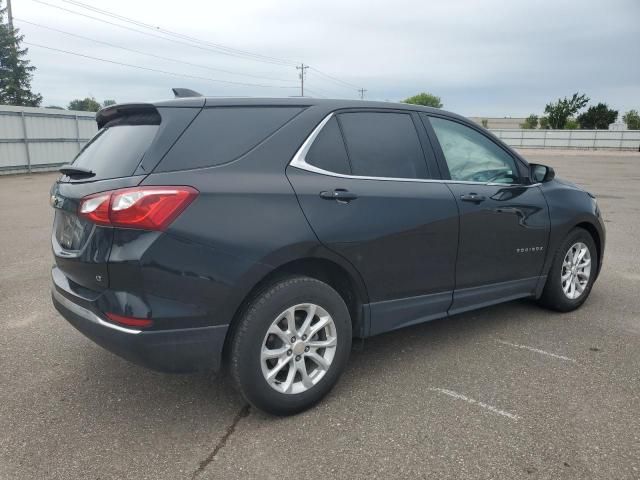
[202,45]
[165,72]
[176,34]
[314,93]
[148,53]
[326,93]
[319,90]
[145,33]
[337,80]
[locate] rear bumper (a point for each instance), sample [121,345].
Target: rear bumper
[176,350]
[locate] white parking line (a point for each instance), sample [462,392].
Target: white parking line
[537,350]
[491,408]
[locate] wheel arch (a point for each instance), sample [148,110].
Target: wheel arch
[597,239]
[344,279]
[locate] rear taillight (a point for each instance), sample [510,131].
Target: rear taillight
[96,208]
[145,208]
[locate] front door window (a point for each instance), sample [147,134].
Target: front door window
[471,156]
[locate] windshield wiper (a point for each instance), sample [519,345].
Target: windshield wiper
[76,172]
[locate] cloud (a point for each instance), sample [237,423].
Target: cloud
[489,58]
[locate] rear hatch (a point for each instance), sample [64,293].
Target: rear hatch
[130,142]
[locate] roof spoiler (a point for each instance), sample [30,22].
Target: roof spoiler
[113,112]
[185,93]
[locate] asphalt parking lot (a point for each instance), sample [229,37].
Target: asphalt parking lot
[511,391]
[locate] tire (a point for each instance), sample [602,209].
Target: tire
[554,295]
[275,303]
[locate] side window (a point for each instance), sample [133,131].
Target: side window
[328,151]
[471,156]
[383,145]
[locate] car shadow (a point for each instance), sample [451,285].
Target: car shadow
[135,391]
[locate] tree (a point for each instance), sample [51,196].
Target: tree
[559,112]
[571,124]
[632,119]
[16,72]
[426,99]
[54,107]
[530,122]
[599,117]
[544,123]
[88,104]
[485,122]
[108,103]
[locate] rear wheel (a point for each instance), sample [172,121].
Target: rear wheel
[291,344]
[572,273]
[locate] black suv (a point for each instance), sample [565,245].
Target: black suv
[270,232]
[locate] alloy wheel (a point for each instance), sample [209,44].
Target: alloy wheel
[298,349]
[576,270]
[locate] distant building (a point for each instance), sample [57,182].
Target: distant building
[499,123]
[618,126]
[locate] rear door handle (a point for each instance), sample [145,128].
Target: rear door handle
[473,197]
[339,194]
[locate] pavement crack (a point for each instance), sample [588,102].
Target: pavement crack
[244,412]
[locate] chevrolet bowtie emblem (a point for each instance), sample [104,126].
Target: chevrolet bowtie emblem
[56,201]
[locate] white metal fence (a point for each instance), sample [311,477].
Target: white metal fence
[605,139]
[40,138]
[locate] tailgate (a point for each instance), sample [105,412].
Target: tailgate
[131,139]
[81,249]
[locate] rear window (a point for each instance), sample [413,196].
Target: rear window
[116,151]
[222,134]
[383,145]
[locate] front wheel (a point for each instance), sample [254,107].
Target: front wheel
[290,345]
[572,273]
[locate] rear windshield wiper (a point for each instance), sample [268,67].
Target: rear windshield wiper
[76,172]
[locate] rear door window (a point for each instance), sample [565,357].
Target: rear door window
[383,144]
[222,134]
[328,151]
[116,151]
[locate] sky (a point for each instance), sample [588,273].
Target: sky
[493,58]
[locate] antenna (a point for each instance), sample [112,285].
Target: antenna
[185,93]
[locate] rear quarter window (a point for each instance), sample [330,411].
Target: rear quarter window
[328,151]
[222,134]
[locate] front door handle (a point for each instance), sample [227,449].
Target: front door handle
[517,211]
[339,194]
[473,197]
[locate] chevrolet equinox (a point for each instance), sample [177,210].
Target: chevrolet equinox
[266,234]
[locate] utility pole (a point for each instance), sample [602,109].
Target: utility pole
[362,90]
[302,69]
[10,16]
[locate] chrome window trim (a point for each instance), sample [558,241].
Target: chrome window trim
[89,315]
[299,161]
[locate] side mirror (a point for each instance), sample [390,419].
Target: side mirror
[541,173]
